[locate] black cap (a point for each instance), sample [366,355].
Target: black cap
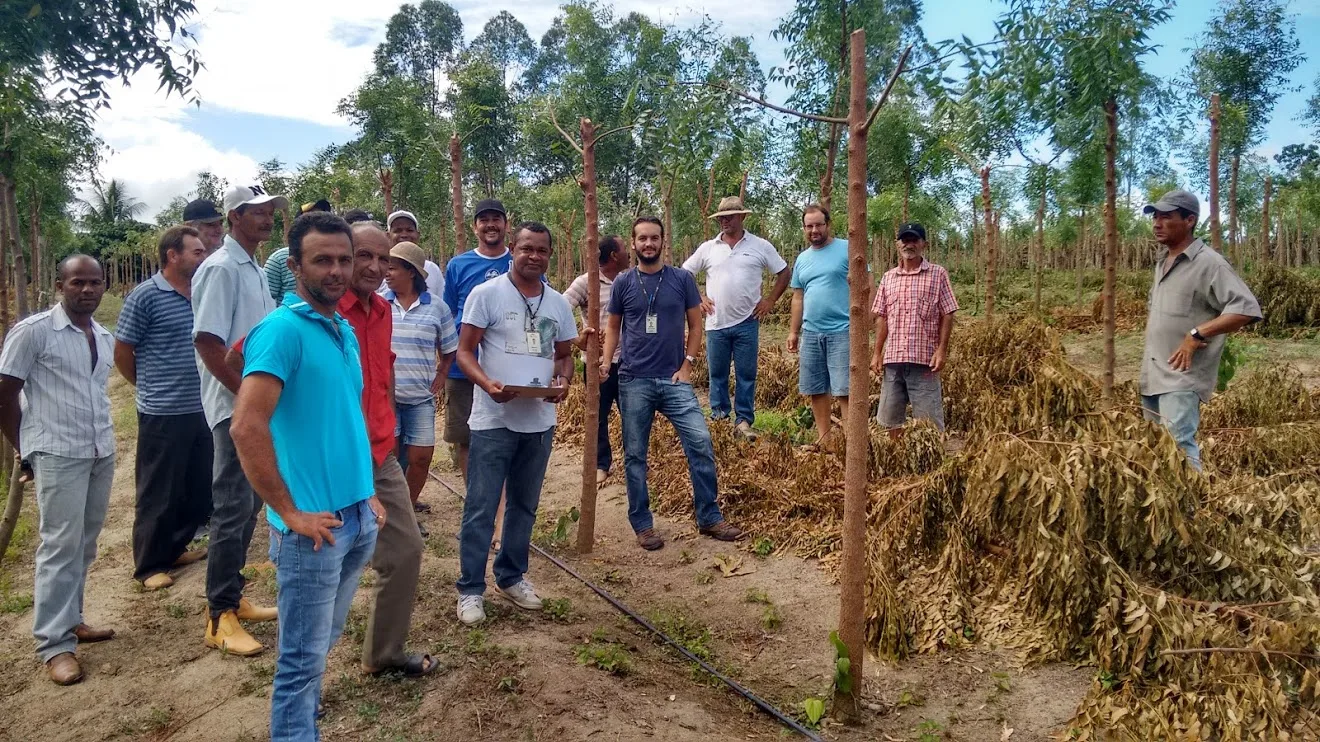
[201,210]
[318,205]
[489,204]
[912,228]
[353,216]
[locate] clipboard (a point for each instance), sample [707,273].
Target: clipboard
[534,391]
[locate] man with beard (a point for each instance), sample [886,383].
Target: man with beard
[399,545]
[914,309]
[55,411]
[522,327]
[818,330]
[230,296]
[1196,300]
[650,307]
[300,432]
[174,453]
[202,216]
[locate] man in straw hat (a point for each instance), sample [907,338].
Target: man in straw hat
[1196,300]
[733,263]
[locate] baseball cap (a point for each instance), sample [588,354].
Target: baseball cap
[489,204]
[411,254]
[353,216]
[252,195]
[389,220]
[912,228]
[318,205]
[201,210]
[1175,199]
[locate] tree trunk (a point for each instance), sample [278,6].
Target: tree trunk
[1080,256]
[386,182]
[20,263]
[591,413]
[990,239]
[907,191]
[831,154]
[6,249]
[1216,239]
[1233,244]
[1265,250]
[1039,246]
[13,504]
[1111,244]
[456,193]
[669,223]
[34,240]
[852,570]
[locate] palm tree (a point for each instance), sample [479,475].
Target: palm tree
[111,204]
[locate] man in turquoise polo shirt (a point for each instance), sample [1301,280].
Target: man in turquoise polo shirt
[301,436]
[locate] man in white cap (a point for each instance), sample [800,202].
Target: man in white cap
[402,226]
[230,296]
[1196,300]
[733,262]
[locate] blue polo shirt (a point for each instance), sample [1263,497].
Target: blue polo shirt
[320,433]
[158,322]
[465,272]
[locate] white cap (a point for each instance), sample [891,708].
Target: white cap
[253,195]
[389,220]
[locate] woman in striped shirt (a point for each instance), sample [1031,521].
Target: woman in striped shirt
[424,343]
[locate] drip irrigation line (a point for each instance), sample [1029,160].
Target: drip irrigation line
[733,685]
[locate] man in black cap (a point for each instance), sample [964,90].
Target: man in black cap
[203,216]
[1196,300]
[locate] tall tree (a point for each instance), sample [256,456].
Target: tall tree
[110,203]
[421,41]
[505,43]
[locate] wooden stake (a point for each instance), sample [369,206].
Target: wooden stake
[991,240]
[1111,244]
[456,193]
[1216,239]
[1265,250]
[591,414]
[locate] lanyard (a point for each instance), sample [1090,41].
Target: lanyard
[529,319]
[650,297]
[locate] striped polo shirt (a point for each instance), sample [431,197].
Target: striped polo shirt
[158,322]
[419,331]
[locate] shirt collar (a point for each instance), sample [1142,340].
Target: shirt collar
[161,283]
[1190,252]
[925,265]
[236,250]
[300,307]
[59,320]
[393,298]
[349,304]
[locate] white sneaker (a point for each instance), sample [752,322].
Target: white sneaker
[744,429]
[523,595]
[471,609]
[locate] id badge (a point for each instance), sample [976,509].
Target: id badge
[534,343]
[652,324]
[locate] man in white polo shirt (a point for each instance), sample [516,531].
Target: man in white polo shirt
[402,226]
[733,262]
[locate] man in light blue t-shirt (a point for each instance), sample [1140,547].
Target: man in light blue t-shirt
[818,332]
[301,436]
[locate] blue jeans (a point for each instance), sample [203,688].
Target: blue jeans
[740,345]
[1180,414]
[315,591]
[500,459]
[639,400]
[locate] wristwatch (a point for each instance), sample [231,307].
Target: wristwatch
[1196,334]
[691,359]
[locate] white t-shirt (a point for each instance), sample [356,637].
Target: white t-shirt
[435,282]
[498,307]
[733,276]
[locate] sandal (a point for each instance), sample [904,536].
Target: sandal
[415,666]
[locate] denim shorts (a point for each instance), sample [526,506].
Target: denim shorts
[415,423]
[915,383]
[823,363]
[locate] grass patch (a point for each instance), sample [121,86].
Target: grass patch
[554,535]
[24,530]
[603,654]
[558,609]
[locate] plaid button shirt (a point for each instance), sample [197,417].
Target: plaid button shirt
[913,303]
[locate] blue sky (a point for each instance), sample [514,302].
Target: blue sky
[276,69]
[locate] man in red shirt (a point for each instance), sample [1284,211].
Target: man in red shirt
[398,557]
[914,309]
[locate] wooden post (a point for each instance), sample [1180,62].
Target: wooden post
[591,412]
[1216,239]
[1265,249]
[456,193]
[1039,243]
[1234,247]
[20,263]
[387,188]
[1111,244]
[6,249]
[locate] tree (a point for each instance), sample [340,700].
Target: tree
[420,42]
[111,204]
[505,43]
[1246,54]
[483,118]
[211,187]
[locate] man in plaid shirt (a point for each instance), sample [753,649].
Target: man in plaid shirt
[914,309]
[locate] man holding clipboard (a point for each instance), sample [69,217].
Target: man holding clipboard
[524,330]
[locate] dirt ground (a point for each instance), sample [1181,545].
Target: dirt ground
[522,676]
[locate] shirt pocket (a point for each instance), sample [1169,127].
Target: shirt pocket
[1177,302]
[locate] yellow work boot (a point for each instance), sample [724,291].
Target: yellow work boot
[228,635]
[158,581]
[251,612]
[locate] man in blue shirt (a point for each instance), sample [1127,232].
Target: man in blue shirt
[649,307]
[818,331]
[301,436]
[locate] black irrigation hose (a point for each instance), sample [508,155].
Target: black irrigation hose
[760,703]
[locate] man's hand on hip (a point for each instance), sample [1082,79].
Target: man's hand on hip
[315,526]
[1181,360]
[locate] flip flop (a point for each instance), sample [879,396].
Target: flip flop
[415,666]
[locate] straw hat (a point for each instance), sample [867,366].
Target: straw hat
[730,205]
[410,254]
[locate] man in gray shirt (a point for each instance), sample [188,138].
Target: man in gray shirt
[230,296]
[1196,300]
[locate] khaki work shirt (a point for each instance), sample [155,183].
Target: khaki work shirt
[1198,287]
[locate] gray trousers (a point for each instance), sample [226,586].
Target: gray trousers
[72,498]
[398,562]
[233,518]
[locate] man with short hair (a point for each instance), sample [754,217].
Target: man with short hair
[55,411]
[1196,301]
[402,226]
[613,259]
[913,310]
[523,328]
[353,216]
[230,296]
[300,431]
[278,275]
[818,330]
[464,273]
[202,216]
[650,306]
[174,448]
[733,263]
[399,545]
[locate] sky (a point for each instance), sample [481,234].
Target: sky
[275,70]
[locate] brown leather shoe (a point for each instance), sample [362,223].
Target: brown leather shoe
[64,669]
[158,581]
[249,611]
[723,531]
[649,539]
[86,634]
[190,557]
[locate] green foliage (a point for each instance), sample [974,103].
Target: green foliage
[604,655]
[1228,364]
[814,710]
[843,680]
